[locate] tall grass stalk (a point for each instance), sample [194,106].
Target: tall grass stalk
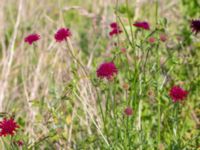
[156,10]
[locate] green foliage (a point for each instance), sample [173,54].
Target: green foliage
[191,8]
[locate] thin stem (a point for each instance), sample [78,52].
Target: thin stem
[177,122]
[127,131]
[40,141]
[129,20]
[116,12]
[99,104]
[71,50]
[126,33]
[156,11]
[159,119]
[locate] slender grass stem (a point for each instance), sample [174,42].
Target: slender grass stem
[176,126]
[127,35]
[116,12]
[158,99]
[159,119]
[71,50]
[99,104]
[156,12]
[127,132]
[129,20]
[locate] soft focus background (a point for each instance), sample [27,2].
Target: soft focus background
[44,87]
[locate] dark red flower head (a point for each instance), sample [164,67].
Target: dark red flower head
[20,143]
[144,25]
[107,70]
[62,34]
[114,25]
[163,37]
[8,127]
[31,38]
[128,111]
[195,25]
[115,29]
[177,93]
[151,40]
[123,50]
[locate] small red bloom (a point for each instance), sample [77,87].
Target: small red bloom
[195,25]
[123,50]
[163,37]
[115,32]
[19,143]
[32,38]
[177,93]
[62,34]
[115,29]
[144,25]
[8,127]
[113,25]
[128,111]
[152,40]
[107,70]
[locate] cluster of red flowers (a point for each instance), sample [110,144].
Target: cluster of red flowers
[108,69]
[61,35]
[115,29]
[163,38]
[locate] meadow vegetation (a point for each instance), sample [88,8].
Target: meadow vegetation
[100,74]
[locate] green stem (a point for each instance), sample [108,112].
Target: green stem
[159,97]
[99,104]
[159,120]
[129,20]
[127,131]
[177,122]
[116,11]
[132,46]
[140,121]
[156,11]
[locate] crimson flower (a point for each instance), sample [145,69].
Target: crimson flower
[115,29]
[114,25]
[143,25]
[62,34]
[195,25]
[107,70]
[32,38]
[128,111]
[8,127]
[177,93]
